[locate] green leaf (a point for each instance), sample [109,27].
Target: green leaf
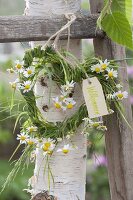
[118,28]
[123,6]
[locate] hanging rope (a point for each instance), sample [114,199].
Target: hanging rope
[71,17]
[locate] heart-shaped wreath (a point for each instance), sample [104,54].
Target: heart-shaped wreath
[65,70]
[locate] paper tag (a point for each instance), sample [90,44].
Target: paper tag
[94,98]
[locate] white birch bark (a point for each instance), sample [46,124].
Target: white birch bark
[69,170]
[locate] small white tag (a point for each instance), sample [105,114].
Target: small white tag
[94,98]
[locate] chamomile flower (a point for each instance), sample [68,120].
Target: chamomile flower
[32,129]
[121,95]
[111,74]
[59,139]
[69,86]
[104,64]
[87,120]
[102,128]
[96,68]
[93,124]
[119,86]
[39,142]
[26,86]
[50,150]
[57,102]
[18,66]
[22,137]
[11,70]
[69,102]
[14,84]
[29,72]
[31,141]
[68,137]
[48,146]
[35,61]
[66,149]
[96,124]
[110,96]
[111,111]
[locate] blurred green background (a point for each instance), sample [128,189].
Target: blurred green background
[97,179]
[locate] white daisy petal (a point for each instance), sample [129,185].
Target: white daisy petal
[19,66]
[69,103]
[11,70]
[31,141]
[121,95]
[29,71]
[96,68]
[26,86]
[57,103]
[22,137]
[104,64]
[48,146]
[111,74]
[59,150]
[66,149]
[15,84]
[68,87]
[119,86]
[32,129]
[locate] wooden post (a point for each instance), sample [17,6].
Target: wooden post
[119,137]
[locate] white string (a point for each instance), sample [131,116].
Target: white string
[71,18]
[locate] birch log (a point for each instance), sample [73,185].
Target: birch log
[69,171]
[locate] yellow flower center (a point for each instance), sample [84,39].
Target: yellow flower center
[57,105]
[22,138]
[110,74]
[120,96]
[31,129]
[13,85]
[45,148]
[96,124]
[104,66]
[30,142]
[70,106]
[50,152]
[29,71]
[97,69]
[11,70]
[103,127]
[47,144]
[27,87]
[65,151]
[18,66]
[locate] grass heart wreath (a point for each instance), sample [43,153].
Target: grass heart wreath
[65,70]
